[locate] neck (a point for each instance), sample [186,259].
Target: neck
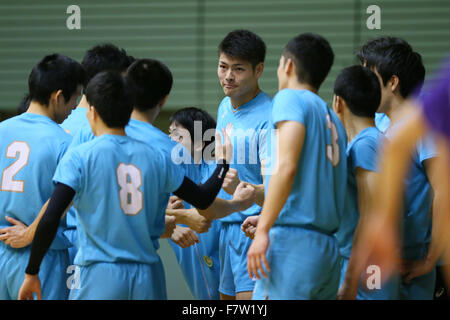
[294,84]
[37,108]
[103,129]
[355,125]
[145,116]
[236,102]
[396,109]
[83,102]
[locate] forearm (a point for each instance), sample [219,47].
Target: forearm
[181,215]
[220,208]
[48,226]
[259,189]
[438,233]
[202,196]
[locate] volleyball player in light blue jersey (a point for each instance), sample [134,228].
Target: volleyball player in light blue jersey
[199,262]
[304,203]
[244,113]
[118,233]
[97,59]
[357,97]
[401,73]
[32,145]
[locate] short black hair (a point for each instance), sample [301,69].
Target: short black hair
[112,97]
[186,118]
[245,45]
[312,56]
[24,104]
[360,89]
[151,81]
[104,57]
[394,56]
[54,72]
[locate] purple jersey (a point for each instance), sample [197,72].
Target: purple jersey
[436,103]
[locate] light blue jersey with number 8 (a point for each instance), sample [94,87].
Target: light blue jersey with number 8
[119,184]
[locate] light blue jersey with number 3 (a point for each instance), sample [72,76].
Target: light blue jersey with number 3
[119,183]
[316,200]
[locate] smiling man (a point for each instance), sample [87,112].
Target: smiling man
[244,113]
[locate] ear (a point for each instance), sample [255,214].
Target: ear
[394,83]
[56,97]
[338,104]
[259,69]
[289,67]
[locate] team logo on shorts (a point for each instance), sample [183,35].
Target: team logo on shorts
[208,261]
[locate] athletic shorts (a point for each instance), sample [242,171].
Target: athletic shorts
[52,273]
[304,264]
[233,248]
[120,281]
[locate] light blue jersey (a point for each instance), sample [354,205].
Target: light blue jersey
[314,208]
[247,127]
[31,146]
[316,200]
[76,119]
[200,262]
[362,152]
[119,184]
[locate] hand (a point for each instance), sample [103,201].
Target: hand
[257,255]
[416,268]
[378,245]
[31,284]
[198,222]
[245,195]
[225,151]
[347,293]
[170,226]
[231,181]
[16,236]
[184,237]
[175,203]
[249,226]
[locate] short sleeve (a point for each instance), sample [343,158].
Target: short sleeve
[426,148]
[287,107]
[70,170]
[364,155]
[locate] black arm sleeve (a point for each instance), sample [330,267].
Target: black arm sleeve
[202,196]
[47,227]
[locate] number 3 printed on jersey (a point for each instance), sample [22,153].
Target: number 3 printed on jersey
[129,178]
[333,149]
[21,151]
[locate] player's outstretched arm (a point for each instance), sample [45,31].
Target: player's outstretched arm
[45,232]
[202,196]
[291,135]
[232,181]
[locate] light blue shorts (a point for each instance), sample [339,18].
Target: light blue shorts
[120,281]
[233,248]
[52,273]
[304,264]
